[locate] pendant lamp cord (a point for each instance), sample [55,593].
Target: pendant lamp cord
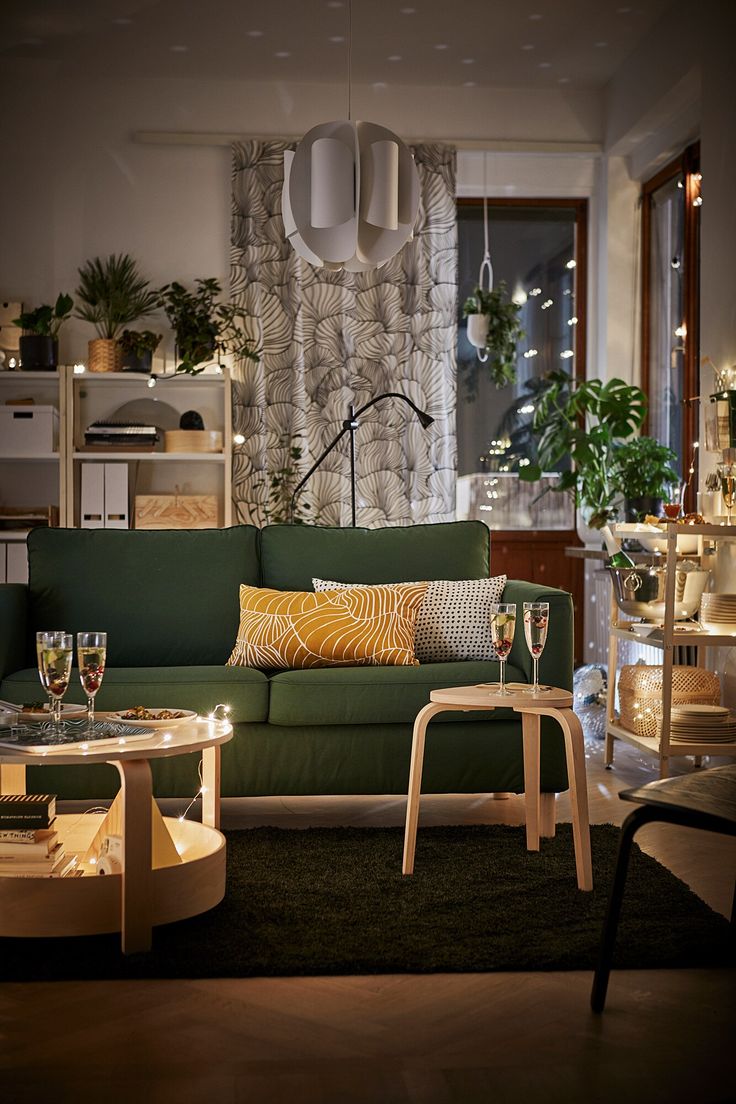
[350,59]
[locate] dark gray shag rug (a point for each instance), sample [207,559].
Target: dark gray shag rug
[334,901]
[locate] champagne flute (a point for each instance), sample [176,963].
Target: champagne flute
[91,654]
[536,622]
[54,651]
[503,623]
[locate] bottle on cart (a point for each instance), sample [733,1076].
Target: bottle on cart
[616,554]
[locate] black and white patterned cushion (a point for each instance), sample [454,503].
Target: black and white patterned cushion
[454,621]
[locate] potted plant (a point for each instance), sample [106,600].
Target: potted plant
[493,325]
[138,347]
[585,421]
[205,328]
[112,293]
[39,345]
[641,474]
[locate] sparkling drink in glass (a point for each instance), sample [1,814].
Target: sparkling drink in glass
[536,622]
[503,624]
[54,651]
[727,476]
[91,654]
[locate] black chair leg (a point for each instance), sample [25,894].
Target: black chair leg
[629,828]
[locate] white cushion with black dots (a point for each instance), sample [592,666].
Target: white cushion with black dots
[454,621]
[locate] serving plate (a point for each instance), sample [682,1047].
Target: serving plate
[155,722]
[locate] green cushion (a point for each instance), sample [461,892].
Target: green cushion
[371,695]
[165,598]
[292,555]
[264,760]
[200,688]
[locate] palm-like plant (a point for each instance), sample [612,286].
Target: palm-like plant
[112,293]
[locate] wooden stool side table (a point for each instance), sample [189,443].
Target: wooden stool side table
[540,816]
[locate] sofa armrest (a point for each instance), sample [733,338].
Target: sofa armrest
[13,627]
[556,663]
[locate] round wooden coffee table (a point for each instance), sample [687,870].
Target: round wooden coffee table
[540,808]
[170,869]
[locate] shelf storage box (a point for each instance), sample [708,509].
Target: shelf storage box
[640,694]
[28,430]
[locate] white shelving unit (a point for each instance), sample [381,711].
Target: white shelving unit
[32,479]
[99,396]
[666,639]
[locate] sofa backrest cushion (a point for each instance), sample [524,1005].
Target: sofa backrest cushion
[291,555]
[164,598]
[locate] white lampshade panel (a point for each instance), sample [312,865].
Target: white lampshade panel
[350,196]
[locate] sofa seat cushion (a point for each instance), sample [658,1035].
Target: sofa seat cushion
[373,695]
[200,688]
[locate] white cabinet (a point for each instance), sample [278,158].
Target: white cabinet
[33,443]
[671,634]
[105,481]
[47,468]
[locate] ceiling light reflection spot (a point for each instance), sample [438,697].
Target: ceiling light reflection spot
[179,49]
[282,54]
[122,22]
[528,46]
[535,17]
[563,80]
[470,84]
[408,11]
[255,34]
[394,57]
[545,65]
[468,61]
[601,45]
[441,46]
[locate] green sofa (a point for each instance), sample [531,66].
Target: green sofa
[169,604]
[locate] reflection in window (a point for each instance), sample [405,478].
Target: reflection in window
[533,249]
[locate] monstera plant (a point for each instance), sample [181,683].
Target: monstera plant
[586,421]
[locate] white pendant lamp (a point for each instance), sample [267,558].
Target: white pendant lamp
[351,193]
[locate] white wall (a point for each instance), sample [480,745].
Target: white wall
[76,184]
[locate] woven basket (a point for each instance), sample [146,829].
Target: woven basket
[640,694]
[105,355]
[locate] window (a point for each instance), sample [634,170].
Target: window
[538,249]
[670,316]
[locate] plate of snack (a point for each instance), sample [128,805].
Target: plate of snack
[41,711]
[157,717]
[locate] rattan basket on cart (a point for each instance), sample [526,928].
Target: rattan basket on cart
[640,694]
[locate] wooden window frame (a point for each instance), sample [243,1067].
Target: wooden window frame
[685,166]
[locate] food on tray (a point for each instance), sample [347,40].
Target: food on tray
[688,519]
[140,713]
[35,707]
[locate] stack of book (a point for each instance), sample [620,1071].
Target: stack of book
[29,845]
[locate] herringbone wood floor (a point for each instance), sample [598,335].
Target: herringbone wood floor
[666,1036]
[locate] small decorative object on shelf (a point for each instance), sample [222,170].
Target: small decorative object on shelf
[138,347]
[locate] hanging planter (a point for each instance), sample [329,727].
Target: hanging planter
[492,320]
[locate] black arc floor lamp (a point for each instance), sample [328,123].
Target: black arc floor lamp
[350,425]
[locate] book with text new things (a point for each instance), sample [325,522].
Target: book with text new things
[39,846]
[27,811]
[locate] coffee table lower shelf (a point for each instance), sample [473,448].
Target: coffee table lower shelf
[91,904]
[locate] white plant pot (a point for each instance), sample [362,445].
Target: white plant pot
[591,538]
[478,330]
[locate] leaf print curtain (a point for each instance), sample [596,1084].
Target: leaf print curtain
[329,339]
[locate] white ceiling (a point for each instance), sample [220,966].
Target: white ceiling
[512,43]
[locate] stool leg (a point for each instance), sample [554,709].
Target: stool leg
[575,750]
[629,828]
[415,783]
[530,728]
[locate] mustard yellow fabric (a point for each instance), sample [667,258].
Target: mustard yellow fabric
[355,626]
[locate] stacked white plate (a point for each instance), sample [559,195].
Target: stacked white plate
[718,613]
[702,724]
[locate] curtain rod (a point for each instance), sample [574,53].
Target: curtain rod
[497,145]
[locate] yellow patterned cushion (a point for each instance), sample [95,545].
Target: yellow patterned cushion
[337,628]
